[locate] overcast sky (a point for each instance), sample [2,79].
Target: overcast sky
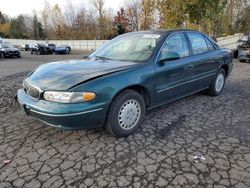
[16,7]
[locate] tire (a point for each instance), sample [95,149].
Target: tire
[218,84]
[130,104]
[242,60]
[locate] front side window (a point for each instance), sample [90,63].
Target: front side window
[175,44]
[133,47]
[198,43]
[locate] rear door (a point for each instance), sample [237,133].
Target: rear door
[205,59]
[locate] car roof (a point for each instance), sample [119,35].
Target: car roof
[164,31]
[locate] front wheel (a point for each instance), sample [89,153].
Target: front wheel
[126,113]
[218,84]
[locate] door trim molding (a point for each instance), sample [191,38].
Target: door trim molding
[185,82]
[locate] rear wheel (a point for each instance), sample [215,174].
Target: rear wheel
[218,84]
[126,113]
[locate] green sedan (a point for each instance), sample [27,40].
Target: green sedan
[132,73]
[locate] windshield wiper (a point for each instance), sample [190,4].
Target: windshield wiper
[102,57]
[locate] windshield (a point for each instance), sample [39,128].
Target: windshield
[4,45]
[132,47]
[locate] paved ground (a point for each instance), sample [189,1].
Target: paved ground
[29,62]
[160,154]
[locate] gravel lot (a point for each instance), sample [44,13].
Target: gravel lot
[160,154]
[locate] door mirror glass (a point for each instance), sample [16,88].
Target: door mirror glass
[169,56]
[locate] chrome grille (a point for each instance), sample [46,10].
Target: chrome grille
[32,90]
[13,52]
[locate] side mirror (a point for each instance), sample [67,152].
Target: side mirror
[169,56]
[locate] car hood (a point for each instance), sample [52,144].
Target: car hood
[11,49]
[64,75]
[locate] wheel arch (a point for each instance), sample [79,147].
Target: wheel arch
[138,88]
[225,68]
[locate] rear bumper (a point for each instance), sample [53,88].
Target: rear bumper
[244,57]
[60,52]
[65,116]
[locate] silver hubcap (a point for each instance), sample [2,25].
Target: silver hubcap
[129,114]
[219,83]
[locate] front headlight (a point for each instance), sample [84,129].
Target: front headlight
[68,97]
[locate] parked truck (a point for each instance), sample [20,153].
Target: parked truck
[238,43]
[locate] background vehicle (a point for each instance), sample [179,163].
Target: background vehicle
[41,49]
[234,43]
[52,47]
[64,49]
[231,42]
[28,47]
[8,50]
[244,49]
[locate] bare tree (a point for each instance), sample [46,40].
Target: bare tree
[99,7]
[147,13]
[133,9]
[45,15]
[58,21]
[70,14]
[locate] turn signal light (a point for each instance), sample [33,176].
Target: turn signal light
[88,96]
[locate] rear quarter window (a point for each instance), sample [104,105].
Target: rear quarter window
[209,45]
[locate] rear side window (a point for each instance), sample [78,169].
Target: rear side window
[198,43]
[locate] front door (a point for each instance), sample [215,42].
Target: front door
[174,77]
